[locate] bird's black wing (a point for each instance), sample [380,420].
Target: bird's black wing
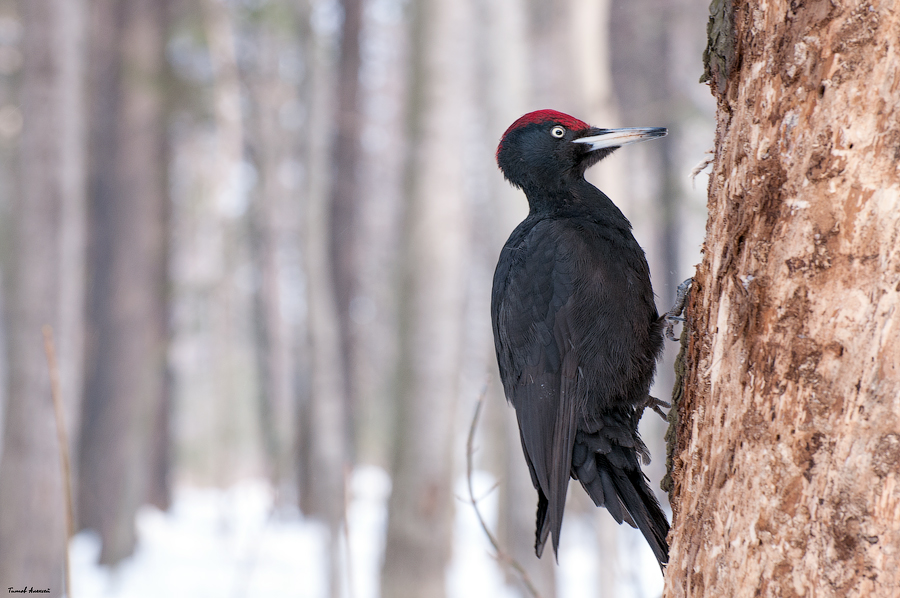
[535,316]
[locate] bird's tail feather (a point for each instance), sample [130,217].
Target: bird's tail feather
[634,492]
[542,529]
[611,475]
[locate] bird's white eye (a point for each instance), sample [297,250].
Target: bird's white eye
[558,132]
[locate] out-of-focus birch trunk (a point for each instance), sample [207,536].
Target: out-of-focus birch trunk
[327,442]
[432,302]
[274,135]
[45,287]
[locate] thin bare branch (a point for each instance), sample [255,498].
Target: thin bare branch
[50,350]
[501,555]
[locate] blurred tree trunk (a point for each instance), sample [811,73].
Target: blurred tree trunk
[271,139]
[305,354]
[228,203]
[565,64]
[72,137]
[787,447]
[48,254]
[433,290]
[590,42]
[328,460]
[127,309]
[506,35]
[345,197]
[256,128]
[381,103]
[651,37]
[642,42]
[160,450]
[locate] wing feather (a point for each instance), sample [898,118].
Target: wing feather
[534,311]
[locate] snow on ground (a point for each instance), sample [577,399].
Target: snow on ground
[212,544]
[232,544]
[473,572]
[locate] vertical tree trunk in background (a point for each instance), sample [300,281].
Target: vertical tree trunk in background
[590,45]
[382,97]
[786,477]
[259,132]
[272,145]
[305,355]
[47,231]
[503,35]
[72,135]
[160,449]
[505,29]
[345,197]
[126,358]
[420,508]
[327,430]
[640,40]
[228,203]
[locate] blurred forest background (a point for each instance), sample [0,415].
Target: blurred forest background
[264,231]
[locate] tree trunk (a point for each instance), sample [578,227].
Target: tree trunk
[46,234]
[225,400]
[274,150]
[786,475]
[381,101]
[420,517]
[345,199]
[328,460]
[72,137]
[505,37]
[126,358]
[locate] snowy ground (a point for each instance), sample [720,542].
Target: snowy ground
[231,544]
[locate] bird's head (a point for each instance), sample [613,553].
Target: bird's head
[548,149]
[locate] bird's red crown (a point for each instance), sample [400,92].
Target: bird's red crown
[544,116]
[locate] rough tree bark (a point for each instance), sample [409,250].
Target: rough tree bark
[786,460]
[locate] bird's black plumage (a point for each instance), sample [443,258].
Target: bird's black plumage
[576,329]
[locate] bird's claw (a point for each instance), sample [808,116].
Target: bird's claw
[654,404]
[674,315]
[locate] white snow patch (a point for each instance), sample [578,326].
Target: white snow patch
[235,544]
[213,543]
[473,572]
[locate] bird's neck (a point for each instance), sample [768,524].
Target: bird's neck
[575,199]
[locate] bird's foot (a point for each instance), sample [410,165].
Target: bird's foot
[674,314]
[654,404]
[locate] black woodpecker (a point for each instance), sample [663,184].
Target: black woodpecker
[576,328]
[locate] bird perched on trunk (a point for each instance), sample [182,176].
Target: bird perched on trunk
[575,325]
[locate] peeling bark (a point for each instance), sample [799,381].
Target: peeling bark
[786,461]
